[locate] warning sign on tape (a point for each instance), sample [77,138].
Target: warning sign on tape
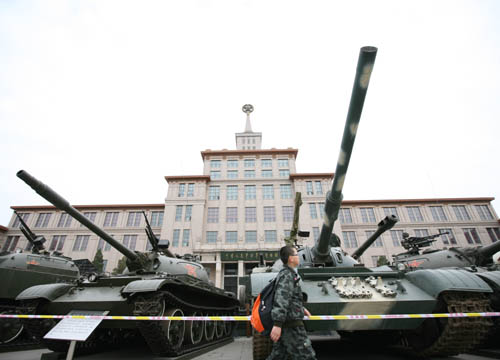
[247,318]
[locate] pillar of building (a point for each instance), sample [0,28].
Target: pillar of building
[218,271]
[241,268]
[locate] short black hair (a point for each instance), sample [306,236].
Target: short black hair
[285,253]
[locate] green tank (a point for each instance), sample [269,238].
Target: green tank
[20,270]
[155,283]
[334,283]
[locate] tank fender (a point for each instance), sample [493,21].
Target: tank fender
[47,291]
[144,285]
[259,281]
[435,281]
[491,277]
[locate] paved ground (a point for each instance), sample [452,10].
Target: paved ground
[241,349]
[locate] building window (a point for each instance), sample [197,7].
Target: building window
[11,243]
[484,212]
[214,174]
[178,212]
[182,188]
[282,163]
[64,220]
[232,214]
[350,241]
[189,211]
[315,232]
[396,236]
[438,213]
[190,192]
[367,215]
[345,216]
[319,188]
[388,211]
[232,192]
[211,237]
[111,219]
[266,173]
[270,236]
[81,242]
[287,213]
[249,174]
[104,264]
[287,233]
[215,164]
[134,218]
[266,163]
[249,163]
[421,232]
[250,193]
[231,237]
[232,174]
[461,212]
[321,207]
[213,192]
[185,237]
[90,216]
[284,173]
[267,192]
[156,218]
[57,242]
[378,242]
[286,191]
[313,211]
[232,163]
[130,241]
[250,214]
[213,215]
[414,214]
[250,236]
[104,246]
[175,237]
[43,220]
[494,234]
[231,277]
[471,236]
[309,187]
[24,216]
[448,238]
[269,214]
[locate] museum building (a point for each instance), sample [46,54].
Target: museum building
[242,206]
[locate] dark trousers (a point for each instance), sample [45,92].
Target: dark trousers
[293,344]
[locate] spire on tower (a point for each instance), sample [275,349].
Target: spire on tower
[247,109]
[248,140]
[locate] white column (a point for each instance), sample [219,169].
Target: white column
[218,271]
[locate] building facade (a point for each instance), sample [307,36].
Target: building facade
[242,206]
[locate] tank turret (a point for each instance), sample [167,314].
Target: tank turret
[321,249]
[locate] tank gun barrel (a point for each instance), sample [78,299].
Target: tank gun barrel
[62,204]
[386,224]
[486,252]
[334,198]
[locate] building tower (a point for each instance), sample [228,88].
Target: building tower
[248,140]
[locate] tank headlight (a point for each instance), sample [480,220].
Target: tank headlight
[401,267]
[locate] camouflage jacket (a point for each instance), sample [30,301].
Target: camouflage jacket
[287,305]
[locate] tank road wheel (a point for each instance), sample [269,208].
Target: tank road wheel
[209,329]
[174,328]
[262,346]
[228,326]
[450,336]
[194,330]
[219,329]
[10,329]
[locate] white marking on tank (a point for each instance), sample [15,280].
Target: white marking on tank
[354,129]
[341,159]
[340,183]
[364,79]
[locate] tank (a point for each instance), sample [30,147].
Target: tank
[20,270]
[476,260]
[155,283]
[335,283]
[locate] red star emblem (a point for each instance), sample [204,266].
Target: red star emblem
[415,263]
[191,270]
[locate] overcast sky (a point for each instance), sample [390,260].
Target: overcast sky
[101,99]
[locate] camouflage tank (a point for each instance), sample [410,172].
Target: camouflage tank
[155,283]
[20,270]
[334,283]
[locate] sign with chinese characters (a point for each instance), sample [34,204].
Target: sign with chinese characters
[75,329]
[248,255]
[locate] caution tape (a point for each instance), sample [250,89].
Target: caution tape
[247,318]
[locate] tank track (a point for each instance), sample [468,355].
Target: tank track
[154,334]
[457,335]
